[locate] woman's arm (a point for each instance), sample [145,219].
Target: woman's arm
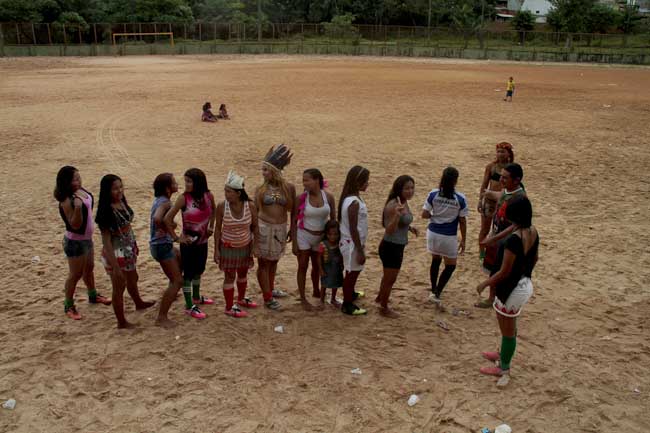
[169,220]
[393,210]
[502,274]
[213,215]
[109,253]
[217,231]
[254,227]
[293,212]
[484,185]
[74,214]
[332,203]
[293,227]
[159,215]
[496,238]
[353,218]
[463,234]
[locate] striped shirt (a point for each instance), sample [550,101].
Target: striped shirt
[236,233]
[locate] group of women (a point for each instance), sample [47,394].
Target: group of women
[330,236]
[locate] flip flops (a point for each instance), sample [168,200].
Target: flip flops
[491,356]
[203,301]
[72,313]
[493,371]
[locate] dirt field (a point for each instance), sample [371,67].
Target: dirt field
[580,132]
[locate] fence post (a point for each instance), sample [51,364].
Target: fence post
[200,33]
[65,37]
[33,34]
[215,32]
[49,34]
[17,34]
[244,32]
[95,32]
[79,31]
[2,42]
[185,31]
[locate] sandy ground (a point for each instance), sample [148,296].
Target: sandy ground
[581,133]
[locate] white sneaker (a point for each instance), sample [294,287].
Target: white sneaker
[277,293]
[434,299]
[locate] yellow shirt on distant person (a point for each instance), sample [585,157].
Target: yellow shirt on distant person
[511,86]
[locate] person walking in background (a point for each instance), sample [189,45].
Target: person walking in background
[446,209]
[510,89]
[76,210]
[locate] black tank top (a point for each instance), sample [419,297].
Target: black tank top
[84,213]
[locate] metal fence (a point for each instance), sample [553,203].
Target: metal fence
[101,33]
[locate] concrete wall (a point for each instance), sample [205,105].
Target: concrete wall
[320,49]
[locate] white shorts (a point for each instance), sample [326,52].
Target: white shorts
[442,245]
[308,241]
[517,299]
[350,256]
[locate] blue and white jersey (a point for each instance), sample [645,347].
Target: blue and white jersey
[445,212]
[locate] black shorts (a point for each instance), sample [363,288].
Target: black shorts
[193,258]
[391,254]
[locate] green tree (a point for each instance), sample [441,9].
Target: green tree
[469,17]
[569,16]
[341,27]
[524,21]
[601,18]
[629,21]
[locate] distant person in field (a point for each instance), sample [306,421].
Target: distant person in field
[76,210]
[492,182]
[446,209]
[512,282]
[207,115]
[223,112]
[510,89]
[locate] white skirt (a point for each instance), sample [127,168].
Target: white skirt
[442,245]
[517,299]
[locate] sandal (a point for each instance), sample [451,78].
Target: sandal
[236,312]
[442,324]
[494,371]
[491,356]
[483,303]
[72,313]
[99,299]
[247,302]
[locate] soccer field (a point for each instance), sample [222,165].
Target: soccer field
[581,133]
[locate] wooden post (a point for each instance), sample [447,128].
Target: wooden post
[273,31]
[33,34]
[95,32]
[244,31]
[185,31]
[155,30]
[79,30]
[65,37]
[17,34]
[215,32]
[140,29]
[200,33]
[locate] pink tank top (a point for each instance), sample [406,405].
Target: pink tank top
[196,217]
[90,222]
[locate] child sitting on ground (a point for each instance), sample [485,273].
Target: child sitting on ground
[207,115]
[223,113]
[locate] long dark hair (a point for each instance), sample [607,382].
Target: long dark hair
[200,183]
[207,106]
[356,177]
[162,182]
[520,212]
[105,217]
[243,196]
[315,173]
[63,189]
[396,191]
[448,182]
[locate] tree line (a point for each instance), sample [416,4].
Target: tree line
[468,16]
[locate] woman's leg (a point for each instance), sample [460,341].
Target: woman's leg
[242,284]
[301,277]
[172,270]
[387,282]
[119,284]
[229,289]
[75,273]
[315,274]
[89,276]
[263,278]
[349,282]
[508,327]
[485,229]
[132,287]
[450,267]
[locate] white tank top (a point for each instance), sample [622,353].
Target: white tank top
[315,218]
[362,223]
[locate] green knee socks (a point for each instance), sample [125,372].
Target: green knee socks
[196,288]
[187,293]
[508,345]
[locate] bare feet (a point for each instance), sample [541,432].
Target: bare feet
[335,303]
[125,325]
[388,312]
[144,305]
[164,322]
[306,305]
[316,294]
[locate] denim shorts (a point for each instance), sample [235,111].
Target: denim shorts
[73,248]
[162,252]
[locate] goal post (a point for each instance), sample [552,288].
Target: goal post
[170,34]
